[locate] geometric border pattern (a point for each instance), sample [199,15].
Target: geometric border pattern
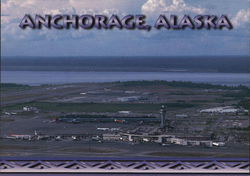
[124,165]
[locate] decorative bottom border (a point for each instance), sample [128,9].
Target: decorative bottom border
[123,166]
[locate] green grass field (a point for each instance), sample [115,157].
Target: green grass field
[180,84]
[13,87]
[97,107]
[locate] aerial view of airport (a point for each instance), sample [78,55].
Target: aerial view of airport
[147,118]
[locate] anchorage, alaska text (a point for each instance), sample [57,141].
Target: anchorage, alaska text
[129,22]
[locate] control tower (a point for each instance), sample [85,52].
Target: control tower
[163,116]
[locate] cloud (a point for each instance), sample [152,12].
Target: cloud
[133,42]
[14,10]
[100,5]
[155,7]
[152,8]
[241,18]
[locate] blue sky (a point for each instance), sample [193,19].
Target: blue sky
[18,42]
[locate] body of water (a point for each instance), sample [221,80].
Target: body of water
[63,77]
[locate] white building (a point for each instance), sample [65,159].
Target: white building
[130,99]
[225,109]
[111,137]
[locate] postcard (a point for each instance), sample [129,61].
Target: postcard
[124,87]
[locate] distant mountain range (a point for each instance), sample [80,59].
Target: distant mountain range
[227,64]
